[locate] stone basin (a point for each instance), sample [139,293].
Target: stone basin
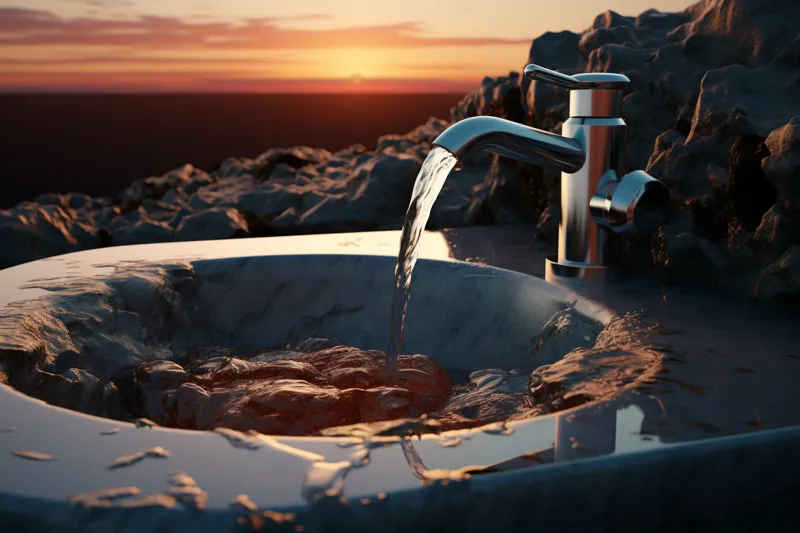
[267,291]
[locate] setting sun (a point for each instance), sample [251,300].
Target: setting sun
[240,46]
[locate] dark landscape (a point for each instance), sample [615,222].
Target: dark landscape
[99,143]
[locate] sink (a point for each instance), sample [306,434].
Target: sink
[64,470]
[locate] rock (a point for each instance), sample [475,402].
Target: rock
[732,98]
[547,228]
[479,102]
[505,195]
[547,104]
[222,193]
[142,232]
[155,383]
[190,400]
[781,280]
[155,187]
[556,51]
[113,404]
[233,167]
[749,192]
[565,331]
[611,19]
[621,35]
[779,229]
[282,171]
[755,31]
[103,217]
[157,211]
[216,223]
[663,22]
[688,259]
[456,204]
[30,231]
[160,375]
[782,166]
[663,145]
[617,58]
[296,157]
[85,391]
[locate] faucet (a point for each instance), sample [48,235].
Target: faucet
[599,198]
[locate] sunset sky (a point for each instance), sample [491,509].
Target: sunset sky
[279,45]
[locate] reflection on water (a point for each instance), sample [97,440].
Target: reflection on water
[622,426]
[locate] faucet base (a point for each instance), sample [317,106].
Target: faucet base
[574,275]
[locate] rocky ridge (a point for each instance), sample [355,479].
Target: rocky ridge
[713,111]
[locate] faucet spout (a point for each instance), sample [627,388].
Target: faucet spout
[513,140]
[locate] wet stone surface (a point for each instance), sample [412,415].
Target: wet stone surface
[287,392]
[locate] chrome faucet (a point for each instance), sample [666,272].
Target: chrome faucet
[597,192]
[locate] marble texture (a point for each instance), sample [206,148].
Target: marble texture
[654,455]
[115,311]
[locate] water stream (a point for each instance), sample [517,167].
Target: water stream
[429,183]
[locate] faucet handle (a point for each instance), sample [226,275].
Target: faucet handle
[590,80]
[535,72]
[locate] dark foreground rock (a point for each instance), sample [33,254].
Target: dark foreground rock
[713,111]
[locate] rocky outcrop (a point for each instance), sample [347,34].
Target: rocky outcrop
[713,110]
[781,280]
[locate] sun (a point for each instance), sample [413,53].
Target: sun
[357,78]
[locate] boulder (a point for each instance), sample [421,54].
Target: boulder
[556,51]
[755,31]
[479,102]
[779,229]
[621,35]
[781,280]
[215,223]
[611,19]
[547,227]
[688,259]
[30,231]
[142,232]
[782,166]
[157,186]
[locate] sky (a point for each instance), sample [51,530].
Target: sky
[279,45]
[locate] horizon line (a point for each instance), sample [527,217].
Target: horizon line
[83,92]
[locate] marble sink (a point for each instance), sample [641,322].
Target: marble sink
[61,470]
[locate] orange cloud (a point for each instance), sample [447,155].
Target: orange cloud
[31,27]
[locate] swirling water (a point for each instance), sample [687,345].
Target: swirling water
[429,183]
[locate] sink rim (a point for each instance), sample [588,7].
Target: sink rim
[25,405]
[583,305]
[12,499]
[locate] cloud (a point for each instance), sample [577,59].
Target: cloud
[103,3]
[19,26]
[109,59]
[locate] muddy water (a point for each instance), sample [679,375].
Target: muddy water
[289,392]
[314,385]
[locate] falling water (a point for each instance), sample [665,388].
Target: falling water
[429,183]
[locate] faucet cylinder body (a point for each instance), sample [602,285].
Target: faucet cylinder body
[580,240]
[583,246]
